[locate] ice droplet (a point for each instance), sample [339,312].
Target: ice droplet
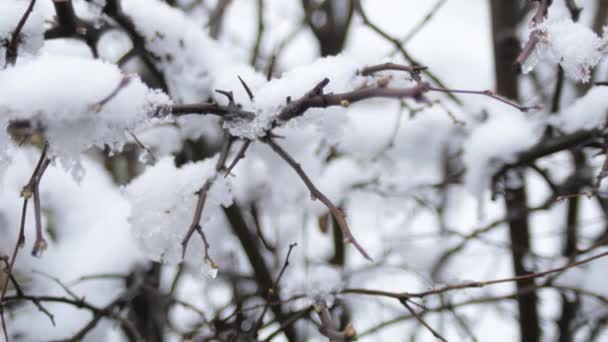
[211,268]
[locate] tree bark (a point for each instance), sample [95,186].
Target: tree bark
[505,17]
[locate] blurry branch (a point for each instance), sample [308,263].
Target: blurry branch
[275,287]
[441,307]
[329,23]
[68,25]
[548,146]
[575,11]
[216,17]
[425,20]
[422,321]
[367,71]
[601,16]
[295,317]
[478,301]
[260,33]
[472,284]
[399,46]
[13,45]
[57,281]
[490,94]
[111,310]
[19,291]
[113,10]
[261,271]
[327,329]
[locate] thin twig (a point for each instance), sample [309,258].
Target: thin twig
[26,194]
[422,321]
[390,66]
[98,106]
[425,20]
[247,89]
[240,155]
[40,243]
[488,93]
[316,194]
[142,146]
[200,204]
[473,284]
[260,33]
[274,291]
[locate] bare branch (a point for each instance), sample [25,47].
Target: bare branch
[13,45]
[316,194]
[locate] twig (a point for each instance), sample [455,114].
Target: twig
[249,93]
[260,33]
[98,106]
[200,204]
[473,284]
[40,243]
[488,93]
[316,194]
[21,235]
[142,146]
[425,20]
[390,66]
[275,288]
[421,320]
[58,282]
[240,155]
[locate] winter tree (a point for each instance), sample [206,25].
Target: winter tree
[270,170]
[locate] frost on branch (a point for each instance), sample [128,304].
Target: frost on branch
[163,200]
[75,109]
[32,34]
[573,45]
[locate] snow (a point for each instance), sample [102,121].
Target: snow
[587,112]
[382,161]
[49,91]
[496,142]
[163,200]
[190,60]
